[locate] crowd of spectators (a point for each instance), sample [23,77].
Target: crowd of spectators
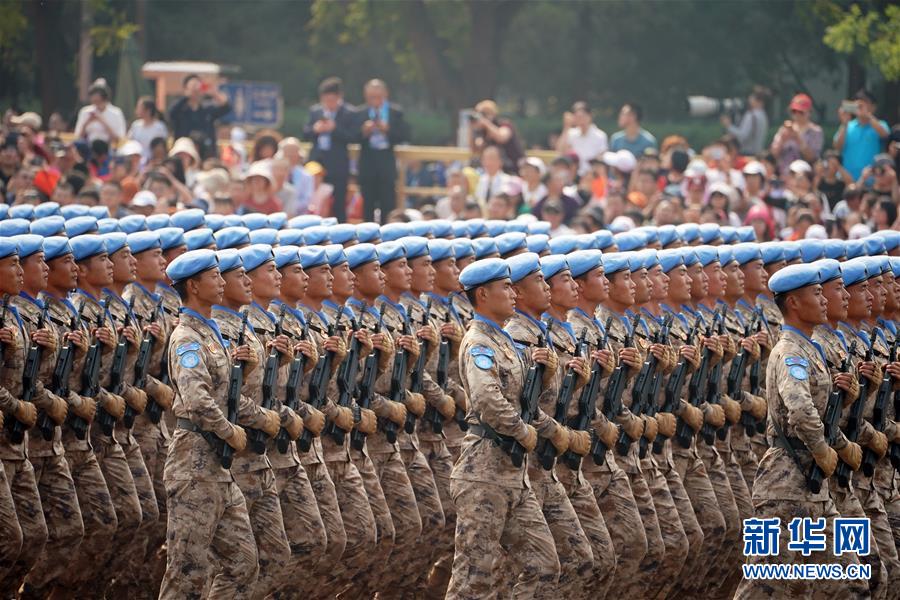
[795,184]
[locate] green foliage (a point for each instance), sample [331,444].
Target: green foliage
[871,34]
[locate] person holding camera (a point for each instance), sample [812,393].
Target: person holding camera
[100,120]
[581,136]
[798,138]
[752,130]
[861,134]
[195,114]
[487,129]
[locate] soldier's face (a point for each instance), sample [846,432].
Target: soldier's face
[293,282]
[462,263]
[397,275]
[890,293]
[265,281]
[533,293]
[423,274]
[699,282]
[369,280]
[679,285]
[621,288]
[209,286]
[860,306]
[810,305]
[321,282]
[446,275]
[11,275]
[173,253]
[716,278]
[879,294]
[63,273]
[641,286]
[659,283]
[593,286]
[237,288]
[96,271]
[837,298]
[344,281]
[124,265]
[564,290]
[755,277]
[774,267]
[151,266]
[497,300]
[734,280]
[35,272]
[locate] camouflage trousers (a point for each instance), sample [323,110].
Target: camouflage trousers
[366,582]
[787,510]
[151,566]
[742,499]
[10,532]
[302,522]
[267,523]
[847,503]
[23,486]
[692,529]
[441,463]
[335,536]
[892,508]
[439,578]
[656,547]
[874,506]
[670,528]
[208,537]
[491,519]
[726,564]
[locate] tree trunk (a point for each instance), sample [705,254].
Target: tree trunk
[85,50]
[856,76]
[444,84]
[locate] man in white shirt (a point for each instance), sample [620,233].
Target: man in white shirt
[493,180]
[580,135]
[100,120]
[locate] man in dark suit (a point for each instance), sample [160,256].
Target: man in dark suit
[331,126]
[382,127]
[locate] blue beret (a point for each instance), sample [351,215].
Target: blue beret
[342,233]
[582,262]
[707,254]
[668,234]
[605,238]
[891,238]
[746,234]
[440,249]
[420,228]
[256,255]
[100,212]
[46,209]
[291,237]
[876,265]
[523,265]
[415,246]
[10,227]
[48,226]
[689,256]
[212,221]
[28,244]
[669,259]
[482,272]
[115,241]
[441,228]
[829,269]
[266,235]
[278,220]
[133,223]
[87,246]
[650,232]
[853,271]
[854,248]
[109,225]
[395,231]
[563,244]
[646,258]
[80,226]
[772,252]
[689,232]
[709,232]
[635,261]
[812,250]
[614,262]
[510,242]
[629,240]
[495,227]
[304,221]
[538,242]
[286,256]
[141,241]
[462,247]
[728,233]
[791,250]
[4,210]
[255,221]
[368,232]
[233,221]
[874,245]
[335,255]
[317,234]
[229,260]
[388,251]
[232,237]
[21,211]
[70,211]
[313,256]
[586,241]
[485,247]
[56,246]
[517,225]
[200,238]
[835,249]
[329,221]
[895,265]
[191,263]
[477,228]
[171,237]
[7,247]
[460,229]
[794,277]
[746,252]
[361,254]
[155,222]
[539,227]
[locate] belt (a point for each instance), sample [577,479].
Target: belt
[482,430]
[790,444]
[187,425]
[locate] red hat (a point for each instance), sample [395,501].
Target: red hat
[801,102]
[45,181]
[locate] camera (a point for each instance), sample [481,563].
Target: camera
[472,115]
[705,106]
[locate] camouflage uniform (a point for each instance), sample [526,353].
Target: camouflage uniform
[10,532]
[773,320]
[797,387]
[496,507]
[208,515]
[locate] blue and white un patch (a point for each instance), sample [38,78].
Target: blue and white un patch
[483,357]
[190,359]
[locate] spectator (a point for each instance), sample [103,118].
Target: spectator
[487,129]
[265,145]
[283,188]
[301,180]
[500,207]
[492,180]
[144,203]
[185,152]
[100,120]
[632,136]
[261,186]
[881,178]
[234,154]
[580,135]
[111,198]
[159,151]
[552,212]
[381,127]
[859,139]
[798,138]
[831,177]
[323,192]
[753,128]
[472,210]
[331,126]
[884,216]
[555,194]
[9,161]
[195,114]
[148,125]
[721,198]
[452,205]
[28,139]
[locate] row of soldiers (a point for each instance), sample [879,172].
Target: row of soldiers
[277,408]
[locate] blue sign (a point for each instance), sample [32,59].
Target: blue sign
[254,104]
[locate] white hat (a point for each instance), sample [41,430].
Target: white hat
[754,167]
[214,180]
[723,188]
[131,148]
[238,135]
[184,145]
[816,232]
[799,166]
[144,198]
[859,231]
[622,223]
[537,163]
[625,161]
[261,168]
[28,119]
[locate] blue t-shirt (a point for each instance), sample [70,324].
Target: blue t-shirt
[861,144]
[644,140]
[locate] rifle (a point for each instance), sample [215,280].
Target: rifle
[235,383]
[29,381]
[417,377]
[754,380]
[256,438]
[831,421]
[154,410]
[714,394]
[529,401]
[675,385]
[90,379]
[651,403]
[683,432]
[736,377]
[879,413]
[398,391]
[346,381]
[432,416]
[615,387]
[117,374]
[291,390]
[855,417]
[639,390]
[367,385]
[318,383]
[545,450]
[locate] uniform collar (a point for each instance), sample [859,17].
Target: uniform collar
[153,295]
[491,324]
[208,322]
[811,342]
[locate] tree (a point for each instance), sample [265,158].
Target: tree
[872,34]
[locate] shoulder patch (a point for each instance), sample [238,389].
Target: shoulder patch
[798,372]
[483,357]
[796,360]
[190,359]
[189,347]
